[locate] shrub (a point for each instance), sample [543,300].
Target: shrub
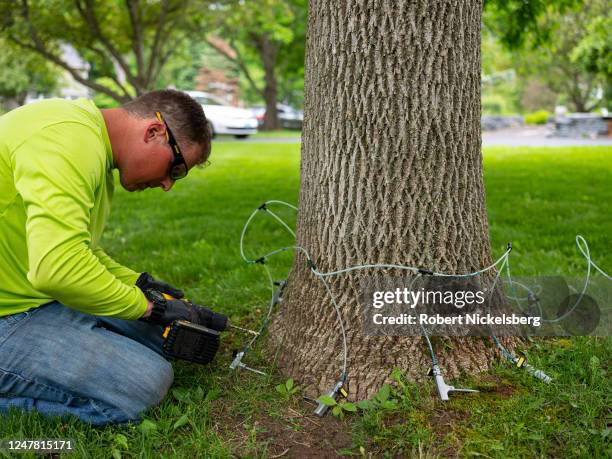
[539,117]
[493,105]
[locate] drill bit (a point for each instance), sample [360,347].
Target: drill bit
[246,330]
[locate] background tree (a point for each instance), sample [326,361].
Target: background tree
[23,73]
[558,50]
[594,53]
[391,172]
[555,61]
[268,34]
[126,44]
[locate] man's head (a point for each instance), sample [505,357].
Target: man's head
[142,133]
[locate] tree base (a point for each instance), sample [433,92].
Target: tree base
[312,353]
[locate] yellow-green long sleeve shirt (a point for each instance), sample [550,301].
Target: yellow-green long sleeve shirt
[56,187]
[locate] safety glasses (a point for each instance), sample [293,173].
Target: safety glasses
[178,168]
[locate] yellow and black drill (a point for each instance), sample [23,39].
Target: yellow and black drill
[190,331]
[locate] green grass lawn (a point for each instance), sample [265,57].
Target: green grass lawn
[281,133]
[539,198]
[278,134]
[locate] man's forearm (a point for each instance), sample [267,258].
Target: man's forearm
[124,274]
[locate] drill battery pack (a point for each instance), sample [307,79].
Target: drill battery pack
[187,341]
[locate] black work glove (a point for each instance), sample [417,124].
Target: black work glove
[167,311]
[147,282]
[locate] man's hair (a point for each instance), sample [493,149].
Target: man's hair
[184,116]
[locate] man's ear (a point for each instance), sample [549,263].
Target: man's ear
[155,130]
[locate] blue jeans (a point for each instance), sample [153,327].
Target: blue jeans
[60,361]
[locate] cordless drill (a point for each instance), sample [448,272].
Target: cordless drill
[196,340]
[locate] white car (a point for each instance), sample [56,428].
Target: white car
[289,117]
[225,119]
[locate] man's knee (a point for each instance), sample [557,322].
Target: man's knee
[142,387]
[166,377]
[155,385]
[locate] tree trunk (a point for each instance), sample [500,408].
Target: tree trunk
[268,52]
[579,100]
[391,172]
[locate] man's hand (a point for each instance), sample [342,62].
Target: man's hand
[147,282]
[165,311]
[147,312]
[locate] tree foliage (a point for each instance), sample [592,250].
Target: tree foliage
[593,53]
[23,73]
[559,50]
[517,21]
[183,70]
[573,61]
[126,43]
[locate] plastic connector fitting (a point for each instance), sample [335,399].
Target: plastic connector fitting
[334,393]
[443,388]
[537,373]
[237,360]
[278,293]
[238,365]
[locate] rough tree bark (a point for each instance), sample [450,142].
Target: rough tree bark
[391,173]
